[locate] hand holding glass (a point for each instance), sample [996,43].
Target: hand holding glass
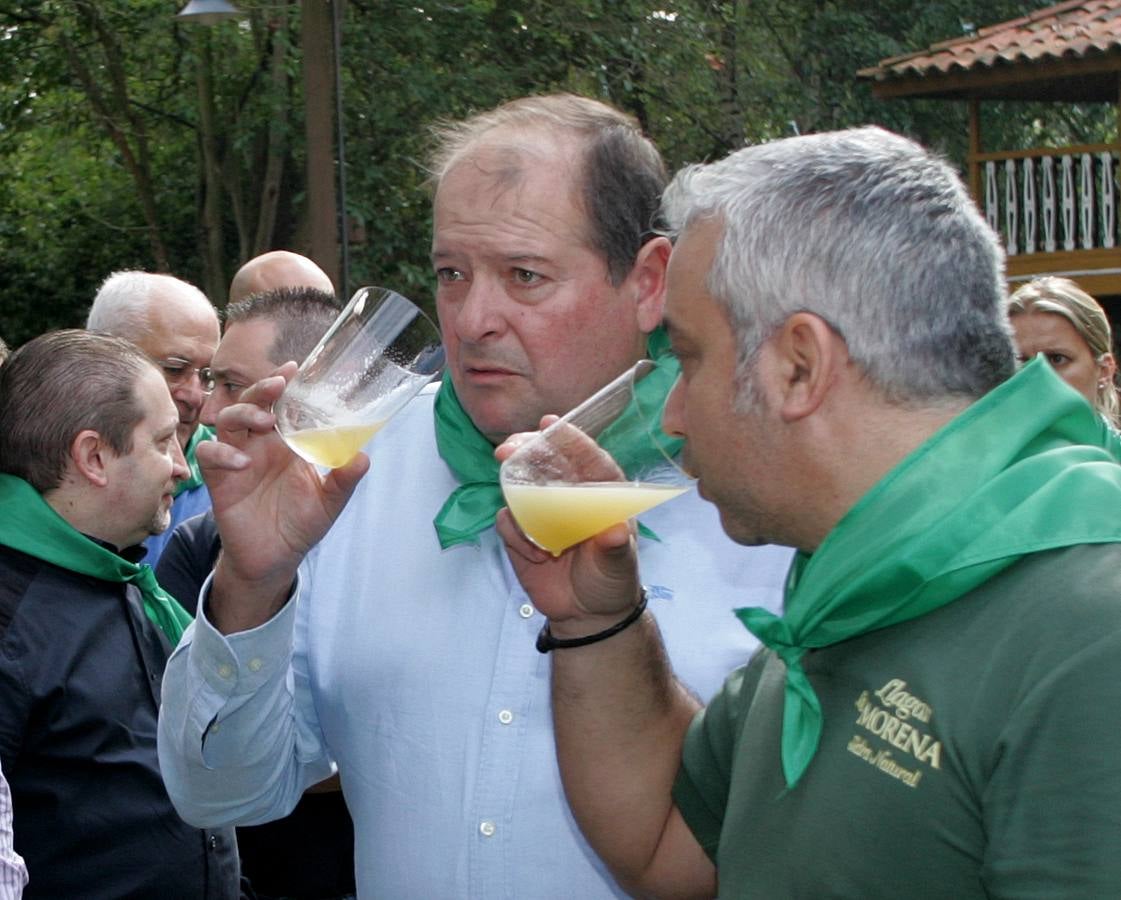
[562,488]
[376,357]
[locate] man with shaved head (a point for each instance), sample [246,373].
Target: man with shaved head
[278,269]
[177,328]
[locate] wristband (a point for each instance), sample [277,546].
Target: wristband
[546,641]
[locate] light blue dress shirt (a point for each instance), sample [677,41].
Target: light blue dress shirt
[414,669]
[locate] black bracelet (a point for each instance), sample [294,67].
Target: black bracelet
[546,641]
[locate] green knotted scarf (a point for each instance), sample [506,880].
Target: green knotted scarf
[202,433]
[473,505]
[1020,471]
[30,525]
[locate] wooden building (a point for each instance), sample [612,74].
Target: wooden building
[1055,208]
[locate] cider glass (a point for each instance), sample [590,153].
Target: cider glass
[563,485]
[378,354]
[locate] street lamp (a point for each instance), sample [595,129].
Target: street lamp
[208,12]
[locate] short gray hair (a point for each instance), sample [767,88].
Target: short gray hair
[123,303]
[121,306]
[869,231]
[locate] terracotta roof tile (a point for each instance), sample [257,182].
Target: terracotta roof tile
[1070,30]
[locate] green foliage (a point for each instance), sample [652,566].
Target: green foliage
[703,77]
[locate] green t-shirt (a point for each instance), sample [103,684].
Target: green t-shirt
[971,752]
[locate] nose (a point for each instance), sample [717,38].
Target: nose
[190,392]
[179,468]
[673,415]
[479,314]
[211,406]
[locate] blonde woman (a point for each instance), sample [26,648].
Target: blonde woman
[1055,317]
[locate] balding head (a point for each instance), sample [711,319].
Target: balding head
[172,322]
[278,269]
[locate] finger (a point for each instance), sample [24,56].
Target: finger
[266,391]
[287,371]
[616,539]
[515,539]
[243,416]
[339,484]
[215,456]
[611,580]
[509,446]
[577,457]
[514,441]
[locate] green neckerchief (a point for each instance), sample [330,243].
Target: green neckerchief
[994,484]
[202,433]
[472,506]
[30,525]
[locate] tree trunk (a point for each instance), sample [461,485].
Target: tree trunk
[214,275]
[278,124]
[727,76]
[318,108]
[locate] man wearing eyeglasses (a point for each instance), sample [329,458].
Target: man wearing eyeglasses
[177,327]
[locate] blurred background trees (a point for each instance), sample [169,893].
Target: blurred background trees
[131,140]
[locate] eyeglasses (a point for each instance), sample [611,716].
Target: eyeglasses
[178,372]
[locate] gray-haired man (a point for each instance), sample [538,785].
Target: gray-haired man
[931,715]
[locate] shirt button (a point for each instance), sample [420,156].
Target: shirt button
[225,671]
[213,729]
[487,829]
[255,664]
[525,610]
[505,717]
[213,842]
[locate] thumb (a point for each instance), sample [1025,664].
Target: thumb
[339,484]
[608,580]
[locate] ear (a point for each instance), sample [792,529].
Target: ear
[647,281]
[809,357]
[89,455]
[1107,368]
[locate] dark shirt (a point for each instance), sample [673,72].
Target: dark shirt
[80,672]
[187,558]
[310,852]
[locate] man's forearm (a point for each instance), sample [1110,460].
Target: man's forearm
[620,719]
[236,744]
[238,604]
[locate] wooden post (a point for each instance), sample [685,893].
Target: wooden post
[975,186]
[319,108]
[1117,137]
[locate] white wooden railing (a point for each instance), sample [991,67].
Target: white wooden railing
[1052,201]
